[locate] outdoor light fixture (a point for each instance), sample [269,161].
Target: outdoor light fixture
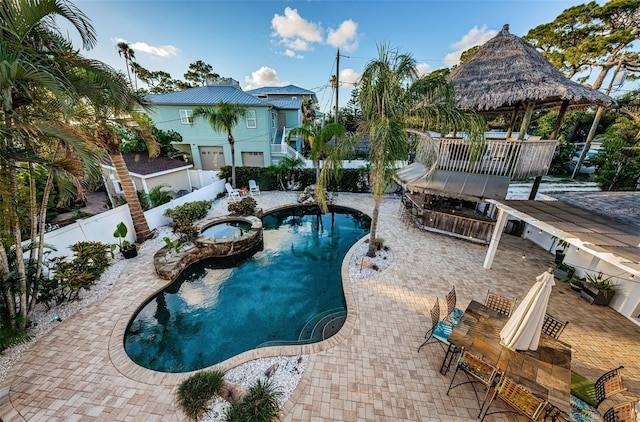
[540,231]
[524,256]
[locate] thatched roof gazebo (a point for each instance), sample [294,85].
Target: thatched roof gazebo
[508,75]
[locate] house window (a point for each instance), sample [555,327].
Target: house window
[251,119]
[273,120]
[185,117]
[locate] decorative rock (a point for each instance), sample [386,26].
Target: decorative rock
[272,370]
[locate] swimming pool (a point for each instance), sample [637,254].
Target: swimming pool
[275,294]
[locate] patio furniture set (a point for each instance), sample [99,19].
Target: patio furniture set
[537,384]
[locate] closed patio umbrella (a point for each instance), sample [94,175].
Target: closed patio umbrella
[522,330]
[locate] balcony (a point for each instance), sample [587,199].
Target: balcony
[515,159]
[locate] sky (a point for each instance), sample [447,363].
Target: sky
[262,43]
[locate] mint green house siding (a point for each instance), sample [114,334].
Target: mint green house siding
[200,134]
[260,137]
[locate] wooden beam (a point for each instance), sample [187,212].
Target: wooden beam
[561,113]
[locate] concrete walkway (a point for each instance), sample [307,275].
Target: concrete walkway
[369,371]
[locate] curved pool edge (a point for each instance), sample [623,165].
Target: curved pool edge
[127,367]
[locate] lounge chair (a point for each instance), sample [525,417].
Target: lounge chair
[254,189]
[232,194]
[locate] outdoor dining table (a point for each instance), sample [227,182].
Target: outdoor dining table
[546,371]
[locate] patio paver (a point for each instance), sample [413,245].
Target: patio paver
[370,371]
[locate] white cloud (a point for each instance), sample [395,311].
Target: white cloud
[293,54]
[298,44]
[349,77]
[423,69]
[263,77]
[475,36]
[292,26]
[345,37]
[160,51]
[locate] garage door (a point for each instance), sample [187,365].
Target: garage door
[252,159]
[212,158]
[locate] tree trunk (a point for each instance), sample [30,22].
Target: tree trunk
[233,158]
[140,225]
[17,238]
[9,297]
[371,252]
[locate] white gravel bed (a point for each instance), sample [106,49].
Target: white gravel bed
[285,379]
[363,266]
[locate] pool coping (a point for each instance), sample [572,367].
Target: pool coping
[128,368]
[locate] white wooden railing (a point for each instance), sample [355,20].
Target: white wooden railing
[516,159]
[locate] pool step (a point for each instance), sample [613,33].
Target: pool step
[307,331]
[318,328]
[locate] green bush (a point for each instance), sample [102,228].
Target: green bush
[191,211]
[243,207]
[350,180]
[195,393]
[90,261]
[260,405]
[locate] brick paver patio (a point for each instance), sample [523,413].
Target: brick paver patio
[370,370]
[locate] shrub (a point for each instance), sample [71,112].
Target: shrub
[243,207]
[90,261]
[191,211]
[260,405]
[195,393]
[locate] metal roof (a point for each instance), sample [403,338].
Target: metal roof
[468,186]
[280,90]
[286,104]
[599,235]
[208,95]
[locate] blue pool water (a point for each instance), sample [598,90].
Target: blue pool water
[219,308]
[232,229]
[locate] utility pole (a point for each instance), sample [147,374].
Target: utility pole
[594,125]
[337,80]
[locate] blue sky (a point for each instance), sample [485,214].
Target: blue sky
[295,42]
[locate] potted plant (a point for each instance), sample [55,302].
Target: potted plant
[576,283]
[598,290]
[563,271]
[561,253]
[128,249]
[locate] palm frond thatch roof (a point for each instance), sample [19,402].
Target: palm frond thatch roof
[506,72]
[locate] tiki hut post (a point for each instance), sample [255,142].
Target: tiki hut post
[525,121]
[561,113]
[512,122]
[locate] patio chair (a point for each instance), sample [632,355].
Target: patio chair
[439,330]
[625,412]
[552,326]
[477,371]
[253,188]
[520,400]
[453,314]
[594,393]
[499,303]
[232,194]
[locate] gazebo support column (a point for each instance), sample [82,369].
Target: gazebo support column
[495,238]
[561,113]
[512,122]
[525,121]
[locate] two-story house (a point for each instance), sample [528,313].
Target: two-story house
[260,137]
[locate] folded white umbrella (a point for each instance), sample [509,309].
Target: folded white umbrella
[524,327]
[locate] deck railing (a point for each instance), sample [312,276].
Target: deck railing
[516,159]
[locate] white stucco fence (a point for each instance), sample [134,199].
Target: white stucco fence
[100,227]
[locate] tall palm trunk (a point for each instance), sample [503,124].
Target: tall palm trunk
[17,239]
[233,157]
[140,224]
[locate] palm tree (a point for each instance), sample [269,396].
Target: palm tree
[393,104]
[222,117]
[318,139]
[124,50]
[40,80]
